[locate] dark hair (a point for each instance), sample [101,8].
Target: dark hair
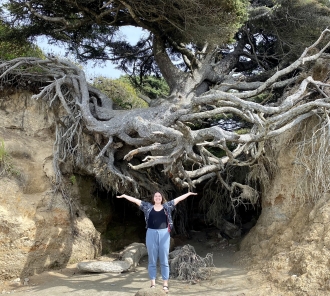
[163,198]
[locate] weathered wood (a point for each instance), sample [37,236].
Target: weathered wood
[130,258]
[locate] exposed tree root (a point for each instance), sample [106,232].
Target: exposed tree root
[313,160]
[186,265]
[136,144]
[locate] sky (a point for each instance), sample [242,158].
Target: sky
[107,69]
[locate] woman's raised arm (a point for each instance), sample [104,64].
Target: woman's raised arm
[130,198]
[182,197]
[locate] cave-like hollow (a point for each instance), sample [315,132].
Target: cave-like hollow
[121,222]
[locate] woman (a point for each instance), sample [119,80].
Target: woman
[158,216]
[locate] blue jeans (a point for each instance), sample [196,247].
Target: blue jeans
[158,245]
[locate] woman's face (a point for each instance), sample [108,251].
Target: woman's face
[158,198]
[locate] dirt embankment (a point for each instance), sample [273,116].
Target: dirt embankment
[36,230]
[290,245]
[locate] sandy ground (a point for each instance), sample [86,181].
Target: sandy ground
[227,279]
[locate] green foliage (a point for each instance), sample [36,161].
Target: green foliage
[295,24]
[150,86]
[11,48]
[224,16]
[120,91]
[261,98]
[73,179]
[91,30]
[3,152]
[216,151]
[6,165]
[242,131]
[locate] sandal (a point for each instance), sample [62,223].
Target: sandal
[165,288]
[152,286]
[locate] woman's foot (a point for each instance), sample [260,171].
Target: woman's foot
[165,288]
[152,283]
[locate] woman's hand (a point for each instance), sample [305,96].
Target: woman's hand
[130,198]
[182,197]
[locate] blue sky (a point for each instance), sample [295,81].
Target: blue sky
[107,69]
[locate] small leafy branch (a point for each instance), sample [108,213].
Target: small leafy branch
[6,165]
[3,154]
[73,179]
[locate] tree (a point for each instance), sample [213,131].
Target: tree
[10,49]
[151,86]
[241,60]
[120,91]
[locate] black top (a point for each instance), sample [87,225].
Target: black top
[157,219]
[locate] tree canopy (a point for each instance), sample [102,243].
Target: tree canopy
[247,61]
[18,47]
[271,30]
[120,91]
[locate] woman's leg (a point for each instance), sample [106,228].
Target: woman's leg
[152,247]
[164,248]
